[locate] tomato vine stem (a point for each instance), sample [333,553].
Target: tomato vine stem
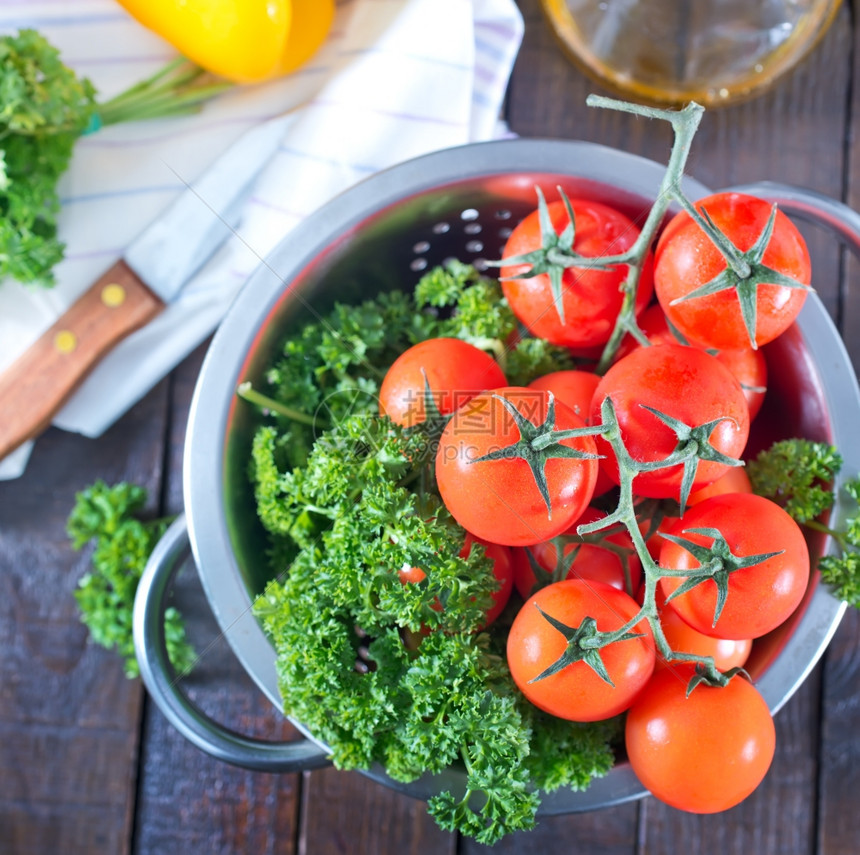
[716,561]
[684,124]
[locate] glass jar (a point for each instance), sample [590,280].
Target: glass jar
[674,51]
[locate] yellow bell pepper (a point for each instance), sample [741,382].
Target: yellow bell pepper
[311,23]
[245,41]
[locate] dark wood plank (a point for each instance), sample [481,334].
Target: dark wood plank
[69,719]
[840,704]
[191,802]
[840,742]
[840,745]
[849,298]
[611,831]
[346,812]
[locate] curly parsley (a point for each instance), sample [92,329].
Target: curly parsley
[343,626]
[796,473]
[382,671]
[123,543]
[44,108]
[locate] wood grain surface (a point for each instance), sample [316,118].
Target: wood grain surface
[88,765]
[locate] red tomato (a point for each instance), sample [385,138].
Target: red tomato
[747,365]
[576,389]
[592,561]
[760,597]
[727,653]
[686,259]
[704,753]
[684,383]
[411,575]
[577,692]
[591,299]
[500,500]
[503,570]
[454,370]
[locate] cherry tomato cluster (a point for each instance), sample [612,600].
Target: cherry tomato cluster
[616,504]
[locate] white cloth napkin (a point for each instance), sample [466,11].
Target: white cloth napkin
[395,79]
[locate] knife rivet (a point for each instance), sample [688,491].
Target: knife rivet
[65,341]
[113,295]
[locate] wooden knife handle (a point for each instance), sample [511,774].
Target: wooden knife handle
[38,383]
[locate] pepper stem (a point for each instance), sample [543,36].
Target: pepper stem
[178,88]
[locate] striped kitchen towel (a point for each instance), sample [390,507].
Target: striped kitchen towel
[395,79]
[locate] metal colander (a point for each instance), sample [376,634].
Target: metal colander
[383,234]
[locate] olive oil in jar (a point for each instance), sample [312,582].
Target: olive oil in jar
[674,51]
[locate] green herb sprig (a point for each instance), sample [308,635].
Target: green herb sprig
[342,624]
[108,516]
[44,109]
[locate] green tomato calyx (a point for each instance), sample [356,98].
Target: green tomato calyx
[744,272]
[694,445]
[555,255]
[583,645]
[716,562]
[712,677]
[539,443]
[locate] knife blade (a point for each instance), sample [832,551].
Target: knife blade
[134,290]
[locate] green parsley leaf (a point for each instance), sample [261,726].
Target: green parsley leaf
[122,546]
[380,670]
[569,754]
[796,473]
[44,108]
[842,573]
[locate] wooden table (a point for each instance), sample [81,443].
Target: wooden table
[88,765]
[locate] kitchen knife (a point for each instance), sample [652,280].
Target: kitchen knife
[133,291]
